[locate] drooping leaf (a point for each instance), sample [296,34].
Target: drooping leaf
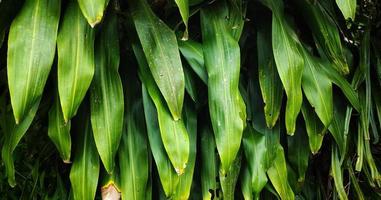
[229,180]
[278,175]
[222,61]
[14,133]
[209,165]
[168,177]
[173,132]
[337,173]
[289,62]
[93,10]
[84,172]
[314,127]
[133,151]
[106,93]
[161,51]
[343,84]
[193,53]
[348,8]
[59,131]
[271,86]
[28,64]
[318,88]
[185,180]
[324,29]
[245,179]
[298,153]
[75,45]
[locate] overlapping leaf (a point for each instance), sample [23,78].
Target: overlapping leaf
[161,51]
[84,172]
[222,61]
[75,44]
[106,93]
[28,63]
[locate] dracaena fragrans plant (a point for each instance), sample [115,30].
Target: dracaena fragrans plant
[190,99]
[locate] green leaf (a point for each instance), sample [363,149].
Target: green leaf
[245,179]
[343,84]
[289,63]
[173,132]
[93,10]
[59,131]
[278,175]
[318,88]
[14,133]
[323,29]
[185,180]
[161,51]
[337,126]
[298,153]
[194,55]
[106,93]
[314,127]
[209,164]
[222,61]
[31,49]
[271,86]
[348,8]
[229,180]
[337,173]
[133,151]
[168,177]
[75,46]
[183,6]
[84,172]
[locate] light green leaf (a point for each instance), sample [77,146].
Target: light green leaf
[222,61]
[167,175]
[31,49]
[106,93]
[161,51]
[93,10]
[348,8]
[314,127]
[278,175]
[173,133]
[75,46]
[183,6]
[318,88]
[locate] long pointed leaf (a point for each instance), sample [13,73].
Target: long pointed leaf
[28,63]
[59,131]
[161,51]
[222,60]
[75,46]
[84,172]
[106,94]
